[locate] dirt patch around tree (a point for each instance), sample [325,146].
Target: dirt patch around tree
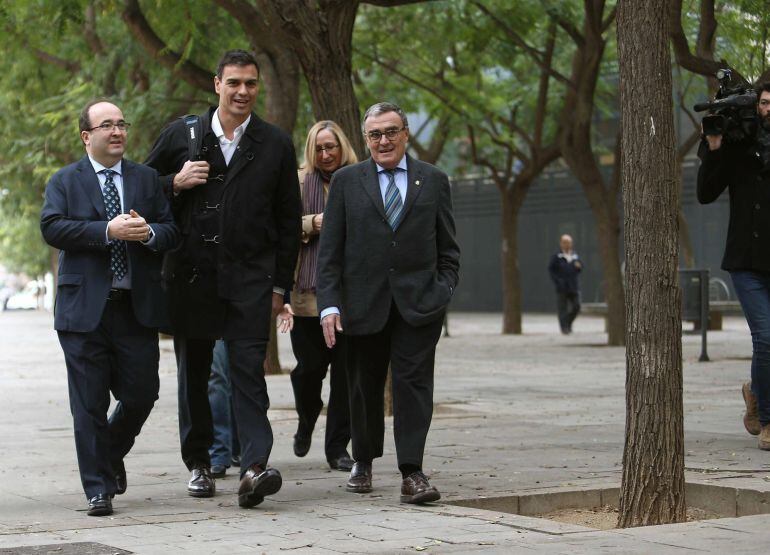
[606,518]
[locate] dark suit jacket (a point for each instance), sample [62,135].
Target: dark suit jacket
[74,221]
[260,223]
[364,266]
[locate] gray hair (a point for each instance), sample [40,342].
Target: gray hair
[382,108]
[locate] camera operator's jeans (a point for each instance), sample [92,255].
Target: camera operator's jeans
[753,290]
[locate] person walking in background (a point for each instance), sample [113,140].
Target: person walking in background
[239,211]
[326,150]
[565,267]
[387,267]
[110,220]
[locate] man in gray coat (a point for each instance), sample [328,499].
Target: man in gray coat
[387,267]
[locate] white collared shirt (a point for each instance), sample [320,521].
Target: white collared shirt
[227,146]
[400,177]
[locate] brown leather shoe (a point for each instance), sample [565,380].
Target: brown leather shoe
[764,438]
[360,480]
[202,483]
[751,418]
[416,489]
[256,484]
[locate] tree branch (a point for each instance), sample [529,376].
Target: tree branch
[146,36]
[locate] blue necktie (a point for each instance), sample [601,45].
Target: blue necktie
[393,204]
[117,248]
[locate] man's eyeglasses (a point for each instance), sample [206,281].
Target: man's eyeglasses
[391,134]
[108,126]
[326,148]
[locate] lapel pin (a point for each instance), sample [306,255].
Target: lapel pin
[417,182]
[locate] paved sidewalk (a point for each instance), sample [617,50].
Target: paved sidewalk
[515,415]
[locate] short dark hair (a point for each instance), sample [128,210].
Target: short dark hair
[383,108]
[763,87]
[236,58]
[84,121]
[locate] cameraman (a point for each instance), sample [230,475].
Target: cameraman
[743,167]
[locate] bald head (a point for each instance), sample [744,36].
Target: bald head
[565,242]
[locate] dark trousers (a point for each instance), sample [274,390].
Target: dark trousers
[249,395]
[410,351]
[119,356]
[753,290]
[313,360]
[568,307]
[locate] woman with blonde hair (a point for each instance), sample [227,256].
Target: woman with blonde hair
[326,150]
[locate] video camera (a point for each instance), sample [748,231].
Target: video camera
[733,112]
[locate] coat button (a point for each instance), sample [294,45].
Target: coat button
[756,206]
[391,270]
[393,244]
[756,235]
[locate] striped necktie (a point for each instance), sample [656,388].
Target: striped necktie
[117,248]
[393,204]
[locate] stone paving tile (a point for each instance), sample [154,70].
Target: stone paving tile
[514,414]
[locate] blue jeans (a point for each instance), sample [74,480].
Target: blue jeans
[753,290]
[225,444]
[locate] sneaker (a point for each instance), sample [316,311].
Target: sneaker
[764,438]
[751,418]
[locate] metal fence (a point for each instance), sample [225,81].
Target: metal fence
[556,205]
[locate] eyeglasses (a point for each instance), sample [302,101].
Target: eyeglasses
[376,136]
[326,148]
[108,126]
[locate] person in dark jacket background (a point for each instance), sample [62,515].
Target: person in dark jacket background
[743,168]
[564,268]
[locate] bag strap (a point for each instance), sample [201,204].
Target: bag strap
[194,128]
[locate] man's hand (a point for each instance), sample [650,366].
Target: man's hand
[277,303]
[191,175]
[318,221]
[286,319]
[128,227]
[331,324]
[714,141]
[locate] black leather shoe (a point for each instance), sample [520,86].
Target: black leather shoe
[342,462]
[360,480]
[100,505]
[201,482]
[256,484]
[301,444]
[218,470]
[416,489]
[121,482]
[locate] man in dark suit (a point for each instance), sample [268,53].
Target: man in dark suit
[111,221]
[387,267]
[239,211]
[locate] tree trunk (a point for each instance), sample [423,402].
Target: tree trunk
[652,489]
[510,262]
[328,75]
[280,71]
[576,147]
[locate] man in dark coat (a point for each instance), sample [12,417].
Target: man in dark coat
[387,267]
[239,211]
[564,268]
[111,222]
[743,168]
